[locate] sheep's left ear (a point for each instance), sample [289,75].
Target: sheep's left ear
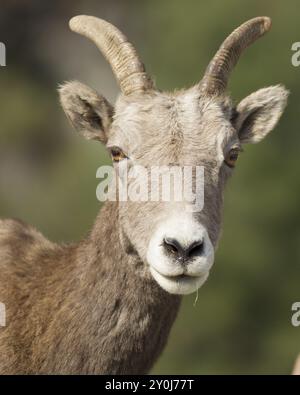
[257,114]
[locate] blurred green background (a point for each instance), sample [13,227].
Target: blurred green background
[241,322]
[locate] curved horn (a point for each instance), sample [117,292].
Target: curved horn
[118,51]
[218,71]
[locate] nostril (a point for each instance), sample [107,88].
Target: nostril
[195,248]
[172,246]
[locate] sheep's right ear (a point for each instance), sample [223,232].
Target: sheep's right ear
[90,113]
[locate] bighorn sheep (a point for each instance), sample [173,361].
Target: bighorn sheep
[107,303]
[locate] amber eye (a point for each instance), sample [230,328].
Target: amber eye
[232,157]
[117,154]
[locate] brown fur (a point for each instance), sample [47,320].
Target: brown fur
[71,311]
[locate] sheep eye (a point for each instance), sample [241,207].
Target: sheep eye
[232,157]
[117,154]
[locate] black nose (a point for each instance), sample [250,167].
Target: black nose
[180,252]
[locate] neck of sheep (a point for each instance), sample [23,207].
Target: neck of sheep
[115,320]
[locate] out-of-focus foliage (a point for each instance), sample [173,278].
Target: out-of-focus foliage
[241,322]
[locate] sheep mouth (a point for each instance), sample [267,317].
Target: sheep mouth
[178,277]
[181,284]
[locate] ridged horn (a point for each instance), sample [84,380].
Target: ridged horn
[218,71]
[118,51]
